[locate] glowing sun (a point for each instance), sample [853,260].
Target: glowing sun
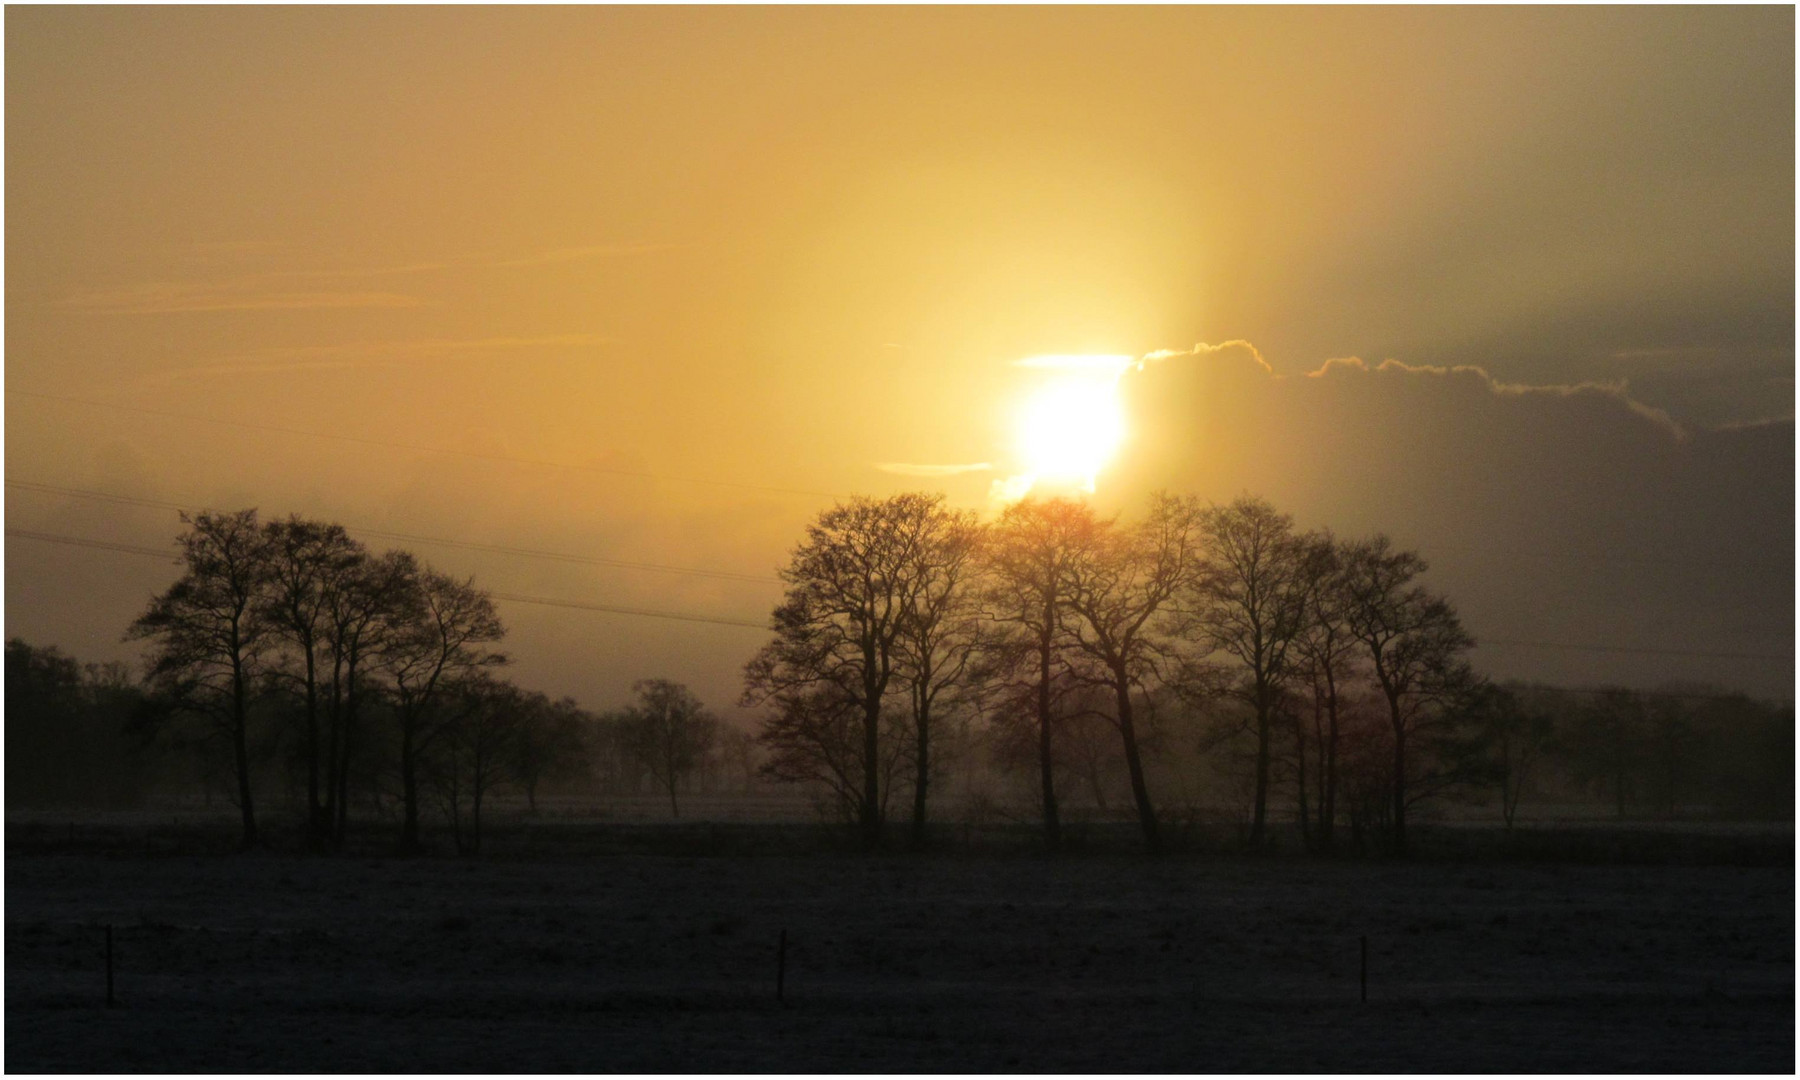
[1072,425]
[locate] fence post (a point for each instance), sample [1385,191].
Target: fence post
[109,967]
[1365,969]
[781,969]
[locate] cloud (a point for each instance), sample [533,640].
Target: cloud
[1550,512]
[904,469]
[1617,391]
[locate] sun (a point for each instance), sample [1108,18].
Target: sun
[1070,427]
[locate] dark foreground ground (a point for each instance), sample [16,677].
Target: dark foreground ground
[1014,962]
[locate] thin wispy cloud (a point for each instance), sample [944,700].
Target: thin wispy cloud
[370,354]
[903,468]
[177,297]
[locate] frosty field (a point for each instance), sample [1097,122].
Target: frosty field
[607,962]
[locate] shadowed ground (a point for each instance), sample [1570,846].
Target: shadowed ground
[1091,963]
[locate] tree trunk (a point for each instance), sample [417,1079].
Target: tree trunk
[343,763]
[1328,808]
[1306,833]
[314,812]
[1399,788]
[1139,791]
[1052,826]
[475,819]
[1258,822]
[922,774]
[240,722]
[1094,784]
[334,718]
[871,793]
[409,786]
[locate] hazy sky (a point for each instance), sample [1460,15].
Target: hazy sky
[773,248]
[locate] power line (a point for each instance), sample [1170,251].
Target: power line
[392,445]
[1519,642]
[82,542]
[547,602]
[536,553]
[78,541]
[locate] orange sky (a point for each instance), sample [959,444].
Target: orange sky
[774,247]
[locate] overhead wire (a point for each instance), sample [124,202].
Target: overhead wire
[536,553]
[1520,642]
[546,601]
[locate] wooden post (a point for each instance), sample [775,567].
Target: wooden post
[781,969]
[109,967]
[1365,969]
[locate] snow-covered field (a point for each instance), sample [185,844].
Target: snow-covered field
[895,963]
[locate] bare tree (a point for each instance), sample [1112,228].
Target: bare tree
[1414,644]
[308,561]
[1607,742]
[551,744]
[940,634]
[837,644]
[1325,654]
[441,636]
[738,757]
[1249,601]
[669,732]
[1028,557]
[1121,585]
[212,635]
[1516,731]
[364,609]
[474,752]
[816,737]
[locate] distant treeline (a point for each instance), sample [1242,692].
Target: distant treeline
[1202,659]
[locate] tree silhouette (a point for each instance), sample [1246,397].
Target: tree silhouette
[552,743]
[1516,729]
[1325,658]
[1027,559]
[1414,644]
[308,563]
[474,751]
[940,634]
[212,635]
[851,587]
[1122,584]
[669,732]
[441,635]
[364,608]
[1249,601]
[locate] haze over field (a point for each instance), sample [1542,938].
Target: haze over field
[664,282]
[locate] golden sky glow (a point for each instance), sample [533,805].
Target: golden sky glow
[655,284]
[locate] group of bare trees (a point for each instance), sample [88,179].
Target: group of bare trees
[900,608]
[378,661]
[296,617]
[1320,673]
